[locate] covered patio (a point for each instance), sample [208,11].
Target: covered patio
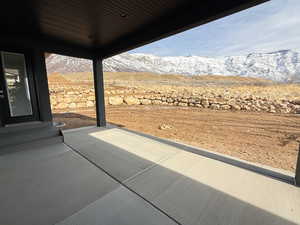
[114,176]
[106,174]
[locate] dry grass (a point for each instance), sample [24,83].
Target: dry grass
[140,76]
[57,78]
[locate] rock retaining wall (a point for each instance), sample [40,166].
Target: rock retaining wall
[77,98]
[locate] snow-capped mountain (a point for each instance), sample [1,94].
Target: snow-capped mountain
[279,66]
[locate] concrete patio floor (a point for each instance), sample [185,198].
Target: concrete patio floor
[114,176]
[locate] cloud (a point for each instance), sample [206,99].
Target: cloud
[268,27]
[276,29]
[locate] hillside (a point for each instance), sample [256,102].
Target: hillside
[280,66]
[144,78]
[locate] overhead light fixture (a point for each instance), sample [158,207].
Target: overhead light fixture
[123,15]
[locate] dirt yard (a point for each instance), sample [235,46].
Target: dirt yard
[270,139]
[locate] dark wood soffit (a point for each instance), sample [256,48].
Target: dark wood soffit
[46,44]
[190,16]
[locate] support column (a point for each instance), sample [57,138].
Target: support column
[297,178]
[41,82]
[1,114]
[99,92]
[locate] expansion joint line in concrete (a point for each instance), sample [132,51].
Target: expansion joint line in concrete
[123,184]
[150,167]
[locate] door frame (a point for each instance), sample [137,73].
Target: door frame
[28,57]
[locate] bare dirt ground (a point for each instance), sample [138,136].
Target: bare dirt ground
[269,139]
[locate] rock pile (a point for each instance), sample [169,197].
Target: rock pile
[82,97]
[72,99]
[250,103]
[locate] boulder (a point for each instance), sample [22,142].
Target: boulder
[272,109]
[235,107]
[61,105]
[156,102]
[131,100]
[205,103]
[297,110]
[225,107]
[165,127]
[215,106]
[90,104]
[231,101]
[170,100]
[81,105]
[53,102]
[182,104]
[91,98]
[246,108]
[72,105]
[115,100]
[145,101]
[184,100]
[68,100]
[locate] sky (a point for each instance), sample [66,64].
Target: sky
[269,27]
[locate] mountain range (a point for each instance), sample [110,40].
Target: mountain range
[279,66]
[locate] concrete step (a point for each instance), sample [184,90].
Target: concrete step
[31,145]
[20,134]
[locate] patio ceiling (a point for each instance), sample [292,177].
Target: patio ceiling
[102,28]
